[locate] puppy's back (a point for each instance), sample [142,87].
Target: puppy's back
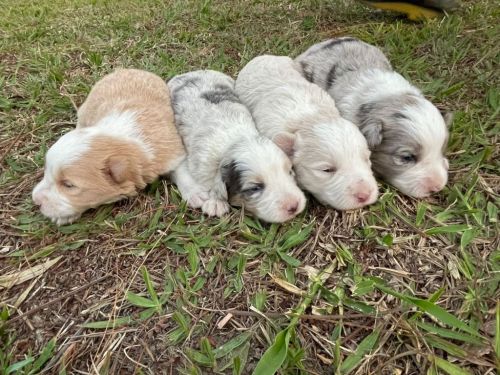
[280,98]
[324,62]
[122,90]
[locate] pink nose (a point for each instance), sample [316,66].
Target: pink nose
[38,198]
[435,188]
[362,197]
[291,208]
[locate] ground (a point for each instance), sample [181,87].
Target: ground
[148,286]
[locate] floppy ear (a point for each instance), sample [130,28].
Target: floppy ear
[121,169]
[447,117]
[285,141]
[370,124]
[231,178]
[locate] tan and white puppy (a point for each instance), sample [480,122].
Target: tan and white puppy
[227,160]
[330,155]
[125,138]
[406,133]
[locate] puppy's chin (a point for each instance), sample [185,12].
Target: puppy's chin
[60,218]
[269,213]
[344,203]
[414,188]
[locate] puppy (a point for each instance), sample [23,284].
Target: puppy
[125,137]
[227,160]
[330,155]
[405,132]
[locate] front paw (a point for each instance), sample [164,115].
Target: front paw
[215,207]
[196,200]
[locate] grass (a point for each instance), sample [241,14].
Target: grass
[148,286]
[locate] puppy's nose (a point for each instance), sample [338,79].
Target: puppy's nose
[434,184]
[435,188]
[363,196]
[37,198]
[291,208]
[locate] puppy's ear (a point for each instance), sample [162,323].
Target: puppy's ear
[370,124]
[285,141]
[447,117]
[231,177]
[121,169]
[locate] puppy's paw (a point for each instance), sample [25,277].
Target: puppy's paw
[197,199]
[215,207]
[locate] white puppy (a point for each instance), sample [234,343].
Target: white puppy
[124,139]
[330,155]
[406,133]
[227,160]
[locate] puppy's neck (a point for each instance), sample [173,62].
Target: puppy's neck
[376,83]
[122,126]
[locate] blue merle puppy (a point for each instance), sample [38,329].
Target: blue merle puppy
[406,133]
[227,161]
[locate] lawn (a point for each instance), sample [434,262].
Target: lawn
[148,286]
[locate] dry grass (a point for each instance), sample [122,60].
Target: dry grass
[207,282]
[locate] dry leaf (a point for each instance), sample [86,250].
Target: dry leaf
[8,281]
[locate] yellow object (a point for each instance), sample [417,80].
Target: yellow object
[412,11]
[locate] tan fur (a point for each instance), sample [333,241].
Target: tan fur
[93,176]
[148,95]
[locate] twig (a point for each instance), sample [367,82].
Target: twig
[64,296]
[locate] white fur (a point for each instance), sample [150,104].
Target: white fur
[282,102]
[225,154]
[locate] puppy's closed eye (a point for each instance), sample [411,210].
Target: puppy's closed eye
[253,190]
[330,170]
[67,184]
[406,158]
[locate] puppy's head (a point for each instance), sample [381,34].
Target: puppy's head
[259,176]
[408,138]
[332,161]
[84,170]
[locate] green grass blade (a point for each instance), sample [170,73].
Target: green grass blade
[44,356]
[453,228]
[139,301]
[108,324]
[448,367]
[364,347]
[19,365]
[450,348]
[274,356]
[289,259]
[294,238]
[449,334]
[232,344]
[149,285]
[431,309]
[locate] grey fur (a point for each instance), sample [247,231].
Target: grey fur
[381,123]
[232,175]
[342,55]
[335,42]
[307,72]
[220,94]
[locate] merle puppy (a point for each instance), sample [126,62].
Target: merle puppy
[227,160]
[406,133]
